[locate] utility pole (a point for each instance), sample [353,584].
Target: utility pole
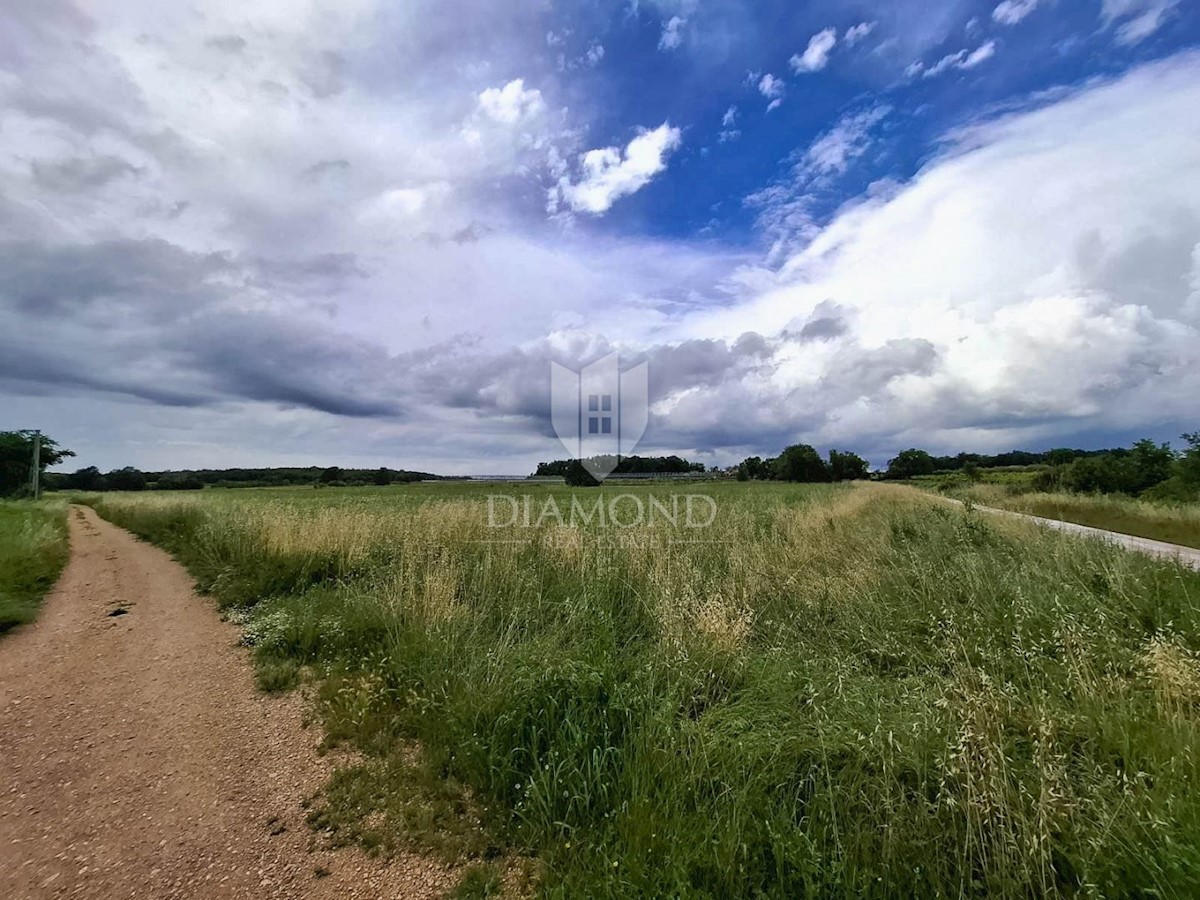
[36,470]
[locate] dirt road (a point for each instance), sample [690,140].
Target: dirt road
[137,758]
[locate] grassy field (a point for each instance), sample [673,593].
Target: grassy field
[1172,522]
[830,691]
[33,550]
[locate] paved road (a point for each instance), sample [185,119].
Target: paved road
[137,758]
[1187,556]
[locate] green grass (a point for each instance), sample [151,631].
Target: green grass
[1175,523]
[832,691]
[33,550]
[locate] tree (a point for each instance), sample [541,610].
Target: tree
[330,475]
[16,458]
[846,466]
[1131,471]
[910,463]
[1189,462]
[178,483]
[87,479]
[752,468]
[578,476]
[1060,456]
[1150,463]
[382,476]
[126,479]
[801,462]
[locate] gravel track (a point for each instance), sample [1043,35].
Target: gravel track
[138,759]
[1185,556]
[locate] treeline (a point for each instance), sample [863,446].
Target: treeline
[802,462]
[1057,457]
[913,462]
[1146,469]
[131,479]
[627,465]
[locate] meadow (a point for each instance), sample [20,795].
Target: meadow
[833,690]
[33,550]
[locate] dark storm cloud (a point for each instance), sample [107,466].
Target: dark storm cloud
[45,372]
[228,43]
[825,328]
[326,167]
[828,320]
[152,279]
[864,372]
[317,271]
[267,358]
[703,363]
[80,174]
[152,321]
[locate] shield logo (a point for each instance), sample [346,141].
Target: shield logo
[599,412]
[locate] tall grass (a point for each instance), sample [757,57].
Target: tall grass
[33,550]
[1175,523]
[830,692]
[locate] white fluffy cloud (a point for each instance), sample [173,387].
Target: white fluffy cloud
[1139,18]
[611,173]
[1010,12]
[963,59]
[672,33]
[772,88]
[816,55]
[856,33]
[832,152]
[512,103]
[955,317]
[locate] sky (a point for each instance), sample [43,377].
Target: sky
[300,232]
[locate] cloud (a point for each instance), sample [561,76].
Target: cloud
[230,43]
[80,173]
[610,173]
[772,88]
[980,54]
[672,33]
[966,321]
[342,254]
[816,54]
[1139,18]
[785,208]
[1010,12]
[118,302]
[832,152]
[963,59]
[512,103]
[728,132]
[856,33]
